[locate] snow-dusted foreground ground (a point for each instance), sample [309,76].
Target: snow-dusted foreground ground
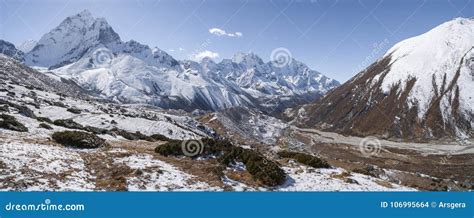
[39,167]
[36,167]
[32,161]
[303,178]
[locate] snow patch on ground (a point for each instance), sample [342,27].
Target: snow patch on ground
[160,176]
[303,178]
[37,167]
[236,185]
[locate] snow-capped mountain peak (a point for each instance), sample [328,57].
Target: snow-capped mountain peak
[69,41]
[85,13]
[430,58]
[88,51]
[208,64]
[248,59]
[421,88]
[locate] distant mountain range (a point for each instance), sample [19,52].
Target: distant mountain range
[423,87]
[89,52]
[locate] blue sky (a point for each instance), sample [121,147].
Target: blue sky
[337,38]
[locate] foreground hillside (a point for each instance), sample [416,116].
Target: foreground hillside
[124,144]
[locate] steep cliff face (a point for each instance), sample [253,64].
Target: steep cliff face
[69,41]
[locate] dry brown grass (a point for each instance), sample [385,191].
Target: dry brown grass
[344,175]
[208,171]
[243,177]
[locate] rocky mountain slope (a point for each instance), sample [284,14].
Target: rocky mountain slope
[88,51]
[9,49]
[13,71]
[422,88]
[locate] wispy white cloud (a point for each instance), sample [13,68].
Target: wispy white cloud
[221,32]
[209,54]
[180,49]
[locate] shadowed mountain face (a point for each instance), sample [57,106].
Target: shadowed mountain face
[17,73]
[9,49]
[421,89]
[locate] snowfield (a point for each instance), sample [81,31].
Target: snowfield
[166,177]
[303,178]
[434,59]
[39,167]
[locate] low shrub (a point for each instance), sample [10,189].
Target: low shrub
[158,137]
[204,147]
[262,169]
[74,110]
[10,122]
[130,135]
[96,130]
[368,170]
[44,119]
[34,104]
[305,159]
[78,139]
[23,110]
[139,136]
[4,108]
[45,126]
[58,104]
[68,123]
[171,148]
